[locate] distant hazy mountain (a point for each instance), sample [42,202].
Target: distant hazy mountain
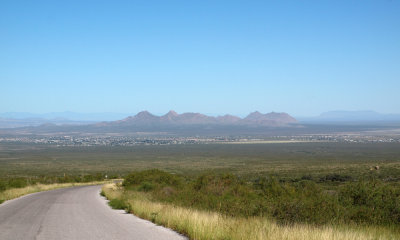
[354,116]
[172,118]
[65,115]
[16,123]
[24,119]
[272,119]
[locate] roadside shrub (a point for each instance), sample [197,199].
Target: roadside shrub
[224,193]
[117,204]
[146,187]
[17,183]
[154,179]
[371,201]
[302,201]
[91,178]
[3,185]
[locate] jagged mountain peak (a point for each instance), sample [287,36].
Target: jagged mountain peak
[172,113]
[170,116]
[254,115]
[227,118]
[144,114]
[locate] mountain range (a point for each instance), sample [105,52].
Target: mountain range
[196,124]
[172,118]
[144,118]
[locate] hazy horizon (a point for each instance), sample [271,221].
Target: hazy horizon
[302,58]
[111,116]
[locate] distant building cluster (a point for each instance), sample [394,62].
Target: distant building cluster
[134,141]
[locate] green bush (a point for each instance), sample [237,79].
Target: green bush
[17,183]
[371,201]
[146,187]
[118,204]
[153,177]
[302,201]
[3,185]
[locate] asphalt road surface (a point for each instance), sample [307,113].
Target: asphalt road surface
[73,213]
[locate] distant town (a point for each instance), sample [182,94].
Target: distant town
[62,141]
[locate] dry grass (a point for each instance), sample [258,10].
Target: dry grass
[201,225]
[18,192]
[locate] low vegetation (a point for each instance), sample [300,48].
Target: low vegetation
[11,188]
[208,225]
[252,161]
[371,201]
[18,192]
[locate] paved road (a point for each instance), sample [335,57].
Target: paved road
[73,213]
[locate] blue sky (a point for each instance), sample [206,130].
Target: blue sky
[215,57]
